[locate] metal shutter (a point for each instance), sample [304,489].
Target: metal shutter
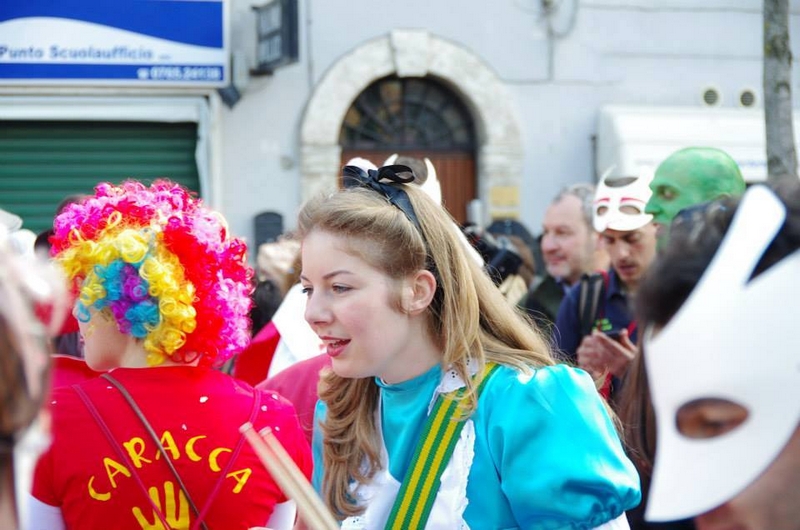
[41,162]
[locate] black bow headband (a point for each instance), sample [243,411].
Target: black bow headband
[374,179]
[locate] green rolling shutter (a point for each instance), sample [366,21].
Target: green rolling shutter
[41,162]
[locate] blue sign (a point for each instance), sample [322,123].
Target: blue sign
[119,42]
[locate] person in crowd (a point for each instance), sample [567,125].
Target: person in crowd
[163,298]
[727,449]
[298,380]
[24,364]
[690,176]
[413,325]
[685,180]
[601,339]
[570,249]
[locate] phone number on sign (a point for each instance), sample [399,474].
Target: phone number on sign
[180,73]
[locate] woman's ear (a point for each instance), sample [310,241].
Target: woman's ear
[418,292]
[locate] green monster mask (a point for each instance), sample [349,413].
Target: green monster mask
[691,176]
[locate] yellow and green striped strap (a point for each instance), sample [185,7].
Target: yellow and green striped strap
[439,437]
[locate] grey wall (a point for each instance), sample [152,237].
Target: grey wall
[643,52]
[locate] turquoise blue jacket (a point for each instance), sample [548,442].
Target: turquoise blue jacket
[546,454]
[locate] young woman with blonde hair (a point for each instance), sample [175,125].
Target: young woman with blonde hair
[443,408]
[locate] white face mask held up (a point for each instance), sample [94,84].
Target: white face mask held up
[619,203]
[726,343]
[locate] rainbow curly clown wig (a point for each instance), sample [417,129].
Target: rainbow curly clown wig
[162,265]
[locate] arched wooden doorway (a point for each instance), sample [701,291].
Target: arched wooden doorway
[416,117]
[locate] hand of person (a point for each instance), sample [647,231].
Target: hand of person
[604,353]
[599,353]
[590,356]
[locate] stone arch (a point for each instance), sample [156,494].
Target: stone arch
[417,53]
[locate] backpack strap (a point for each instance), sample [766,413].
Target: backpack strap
[414,501]
[592,290]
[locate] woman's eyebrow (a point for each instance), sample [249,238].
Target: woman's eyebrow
[328,275]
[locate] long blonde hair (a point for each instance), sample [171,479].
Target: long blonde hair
[469,319]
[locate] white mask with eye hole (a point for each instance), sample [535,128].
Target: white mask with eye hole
[431,186]
[732,340]
[619,203]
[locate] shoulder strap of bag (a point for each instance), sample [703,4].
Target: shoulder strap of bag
[591,291]
[414,501]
